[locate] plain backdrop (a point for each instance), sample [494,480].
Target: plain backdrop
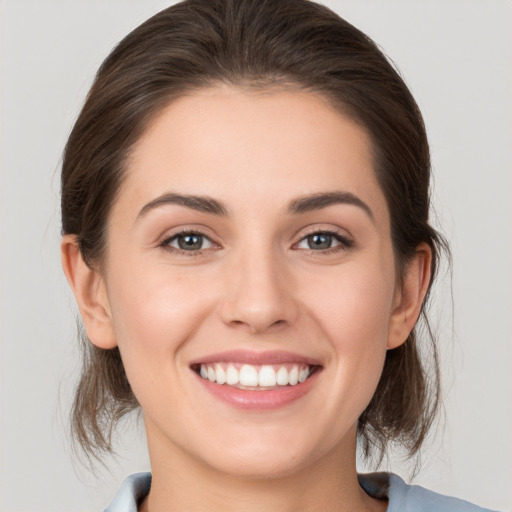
[456,55]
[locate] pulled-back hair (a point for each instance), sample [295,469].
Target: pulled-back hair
[264,44]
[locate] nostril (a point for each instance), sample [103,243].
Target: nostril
[258,312]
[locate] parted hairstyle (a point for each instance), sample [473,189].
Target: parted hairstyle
[262,44]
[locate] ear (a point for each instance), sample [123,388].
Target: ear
[410,295]
[90,293]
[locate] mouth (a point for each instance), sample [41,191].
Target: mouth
[257,381]
[255,377]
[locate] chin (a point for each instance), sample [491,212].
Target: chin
[263,465]
[268,455]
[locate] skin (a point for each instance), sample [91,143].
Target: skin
[256,285]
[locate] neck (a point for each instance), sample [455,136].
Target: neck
[329,484]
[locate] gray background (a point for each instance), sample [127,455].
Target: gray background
[456,55]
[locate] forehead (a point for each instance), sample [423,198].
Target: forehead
[239,144]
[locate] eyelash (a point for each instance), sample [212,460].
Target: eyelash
[165,244]
[344,243]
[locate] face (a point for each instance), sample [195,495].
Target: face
[250,280]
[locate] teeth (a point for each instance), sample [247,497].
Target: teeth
[293,376]
[282,376]
[220,374]
[248,375]
[266,376]
[231,375]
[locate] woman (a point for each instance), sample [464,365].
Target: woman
[245,202]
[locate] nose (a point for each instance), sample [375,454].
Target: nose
[259,294]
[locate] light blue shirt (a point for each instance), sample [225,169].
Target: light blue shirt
[402,497]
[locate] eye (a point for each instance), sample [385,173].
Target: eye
[188,242]
[323,241]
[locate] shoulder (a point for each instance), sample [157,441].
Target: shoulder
[412,498]
[132,491]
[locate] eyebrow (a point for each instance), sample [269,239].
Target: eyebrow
[298,206]
[322,200]
[200,203]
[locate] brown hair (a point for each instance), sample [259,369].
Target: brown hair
[252,43]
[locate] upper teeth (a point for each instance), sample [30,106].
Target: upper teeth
[255,376]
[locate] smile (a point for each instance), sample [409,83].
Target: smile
[255,377]
[257,381]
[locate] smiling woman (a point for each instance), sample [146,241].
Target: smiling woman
[245,209]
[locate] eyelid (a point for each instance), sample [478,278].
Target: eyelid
[168,237]
[173,238]
[184,229]
[345,240]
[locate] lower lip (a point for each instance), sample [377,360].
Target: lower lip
[259,400]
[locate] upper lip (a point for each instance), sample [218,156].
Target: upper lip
[256,358]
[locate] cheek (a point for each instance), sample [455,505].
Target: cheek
[354,306]
[155,313]
[353,309]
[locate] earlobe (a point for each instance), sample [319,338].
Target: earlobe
[410,297]
[89,289]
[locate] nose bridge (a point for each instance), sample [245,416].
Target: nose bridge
[258,291]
